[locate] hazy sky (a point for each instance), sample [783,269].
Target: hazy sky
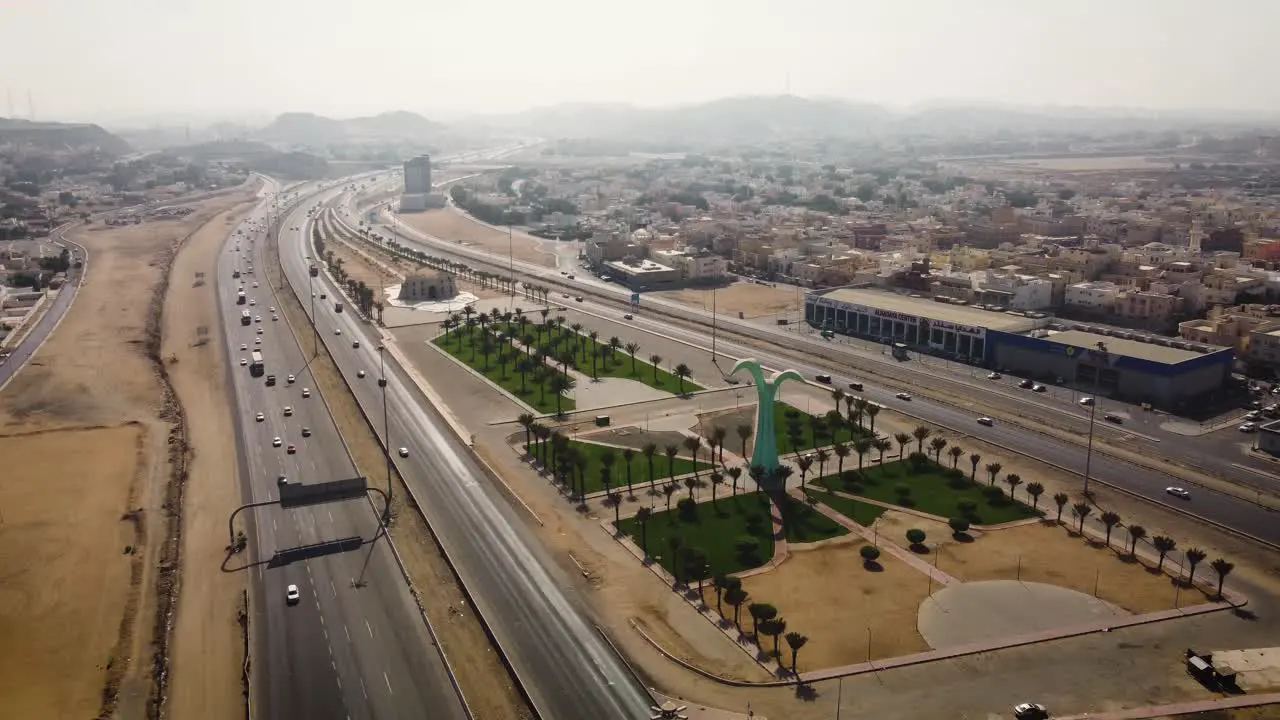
[106,59]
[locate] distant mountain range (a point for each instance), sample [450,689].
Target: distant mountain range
[316,130]
[60,136]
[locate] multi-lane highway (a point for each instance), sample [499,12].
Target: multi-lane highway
[1231,511]
[560,657]
[340,651]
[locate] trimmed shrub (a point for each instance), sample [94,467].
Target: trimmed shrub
[869,553]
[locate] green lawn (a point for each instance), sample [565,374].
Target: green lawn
[860,512]
[616,364]
[931,492]
[662,470]
[721,530]
[536,395]
[781,432]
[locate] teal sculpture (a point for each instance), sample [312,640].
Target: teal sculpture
[765,454]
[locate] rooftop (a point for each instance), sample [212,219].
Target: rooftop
[638,268]
[1127,348]
[924,307]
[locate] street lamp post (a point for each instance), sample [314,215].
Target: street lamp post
[386,428]
[1100,357]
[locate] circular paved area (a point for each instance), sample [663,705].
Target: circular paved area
[967,613]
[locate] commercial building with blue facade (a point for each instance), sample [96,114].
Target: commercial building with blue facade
[1164,372]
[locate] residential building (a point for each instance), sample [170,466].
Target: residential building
[1097,297]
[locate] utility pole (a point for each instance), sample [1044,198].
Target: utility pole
[1099,354]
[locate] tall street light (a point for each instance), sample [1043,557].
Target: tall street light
[386,429]
[1100,356]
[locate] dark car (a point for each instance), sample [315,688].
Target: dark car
[1026,384]
[856,386]
[823,378]
[271,380]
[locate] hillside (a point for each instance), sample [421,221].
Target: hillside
[61,136]
[309,129]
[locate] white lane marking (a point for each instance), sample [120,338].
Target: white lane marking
[338,677]
[326,633]
[368,627]
[384,677]
[363,691]
[346,632]
[333,588]
[330,515]
[322,619]
[273,525]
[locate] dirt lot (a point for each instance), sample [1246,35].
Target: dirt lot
[93,373]
[747,298]
[451,225]
[484,680]
[52,579]
[836,616]
[1048,554]
[208,650]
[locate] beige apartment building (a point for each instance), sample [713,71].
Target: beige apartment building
[1234,327]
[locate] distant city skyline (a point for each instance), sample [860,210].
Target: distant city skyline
[238,59]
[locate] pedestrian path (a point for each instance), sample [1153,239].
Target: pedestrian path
[1184,708]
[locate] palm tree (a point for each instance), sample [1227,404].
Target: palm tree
[1110,520]
[1081,511]
[1060,499]
[1223,568]
[691,483]
[860,406]
[607,458]
[580,462]
[759,613]
[842,451]
[993,469]
[1194,557]
[717,479]
[795,641]
[654,360]
[627,456]
[744,434]
[921,433]
[648,451]
[838,396]
[632,348]
[719,433]
[642,519]
[1013,480]
[974,459]
[560,384]
[682,372]
[675,541]
[670,451]
[523,366]
[736,596]
[872,411]
[669,489]
[449,324]
[882,446]
[711,448]
[526,421]
[955,452]
[1163,545]
[757,473]
[1136,533]
[823,456]
[1035,490]
[774,628]
[693,444]
[937,445]
[804,464]
[862,446]
[903,439]
[735,473]
[614,500]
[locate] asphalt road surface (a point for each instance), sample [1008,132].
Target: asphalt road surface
[1228,510]
[34,339]
[560,657]
[341,651]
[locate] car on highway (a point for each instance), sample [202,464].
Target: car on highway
[1254,415]
[1180,493]
[276,442]
[1039,388]
[324,296]
[1030,711]
[257,319]
[271,309]
[628,316]
[1086,401]
[578,298]
[282,480]
[306,392]
[355,343]
[823,378]
[275,318]
[359,373]
[255,284]
[306,432]
[289,379]
[903,396]
[292,595]
[855,385]
[288,411]
[1027,384]
[337,331]
[1248,427]
[564,295]
[243,362]
[257,341]
[243,346]
[994,376]
[404,452]
[261,417]
[1114,418]
[986,421]
[252,301]
[259,331]
[291,450]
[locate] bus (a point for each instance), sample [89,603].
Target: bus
[256,367]
[245,318]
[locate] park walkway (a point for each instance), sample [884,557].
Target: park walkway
[1184,708]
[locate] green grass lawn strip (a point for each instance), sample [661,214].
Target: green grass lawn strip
[541,399]
[931,492]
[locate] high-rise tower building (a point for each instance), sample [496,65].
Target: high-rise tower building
[417,175]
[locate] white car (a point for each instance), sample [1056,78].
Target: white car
[986,421]
[1086,401]
[306,392]
[1030,711]
[1248,427]
[337,331]
[243,346]
[257,319]
[289,379]
[404,452]
[255,284]
[292,595]
[1180,493]
[288,411]
[359,373]
[257,341]
[903,396]
[994,376]
[243,362]
[276,442]
[261,417]
[271,309]
[252,302]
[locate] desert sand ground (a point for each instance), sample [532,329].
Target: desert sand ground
[93,389]
[451,225]
[751,300]
[208,650]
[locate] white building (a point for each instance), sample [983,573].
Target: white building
[1018,292]
[1098,296]
[694,266]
